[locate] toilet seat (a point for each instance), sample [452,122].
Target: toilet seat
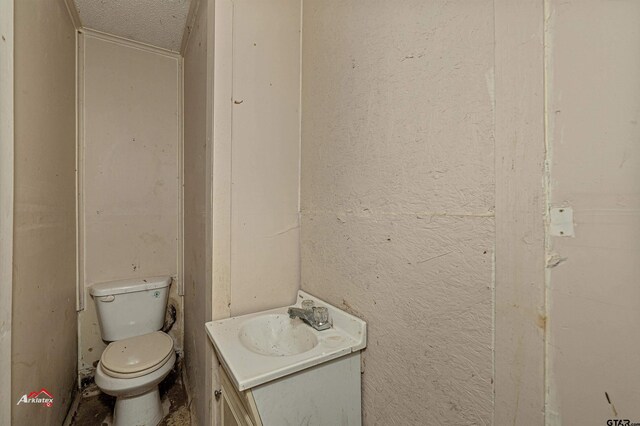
[137,356]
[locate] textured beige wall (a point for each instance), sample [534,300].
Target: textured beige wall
[397,197]
[265,269]
[594,139]
[197,212]
[130,174]
[44,272]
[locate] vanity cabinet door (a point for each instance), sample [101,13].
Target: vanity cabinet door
[228,418]
[238,409]
[233,413]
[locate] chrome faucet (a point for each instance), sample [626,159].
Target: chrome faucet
[316,316]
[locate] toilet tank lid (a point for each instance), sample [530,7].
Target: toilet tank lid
[129,286]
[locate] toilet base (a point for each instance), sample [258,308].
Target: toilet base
[139,410]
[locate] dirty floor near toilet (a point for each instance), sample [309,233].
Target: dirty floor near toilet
[96,408]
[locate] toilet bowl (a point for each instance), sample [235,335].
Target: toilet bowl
[131,370]
[139,356]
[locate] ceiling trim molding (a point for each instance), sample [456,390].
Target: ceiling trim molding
[188,26]
[130,43]
[73,14]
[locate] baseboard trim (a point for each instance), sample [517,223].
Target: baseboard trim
[76,395]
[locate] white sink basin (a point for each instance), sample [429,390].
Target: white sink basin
[261,347]
[277,335]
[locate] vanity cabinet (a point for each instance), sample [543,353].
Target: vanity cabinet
[326,394]
[277,370]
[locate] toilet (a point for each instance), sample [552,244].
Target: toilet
[131,314]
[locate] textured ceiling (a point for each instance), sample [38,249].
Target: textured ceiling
[156,22]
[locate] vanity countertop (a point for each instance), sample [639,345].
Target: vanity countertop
[260,347]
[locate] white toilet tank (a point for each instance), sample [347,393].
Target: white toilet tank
[132,307]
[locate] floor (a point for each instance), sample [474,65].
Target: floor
[95,408]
